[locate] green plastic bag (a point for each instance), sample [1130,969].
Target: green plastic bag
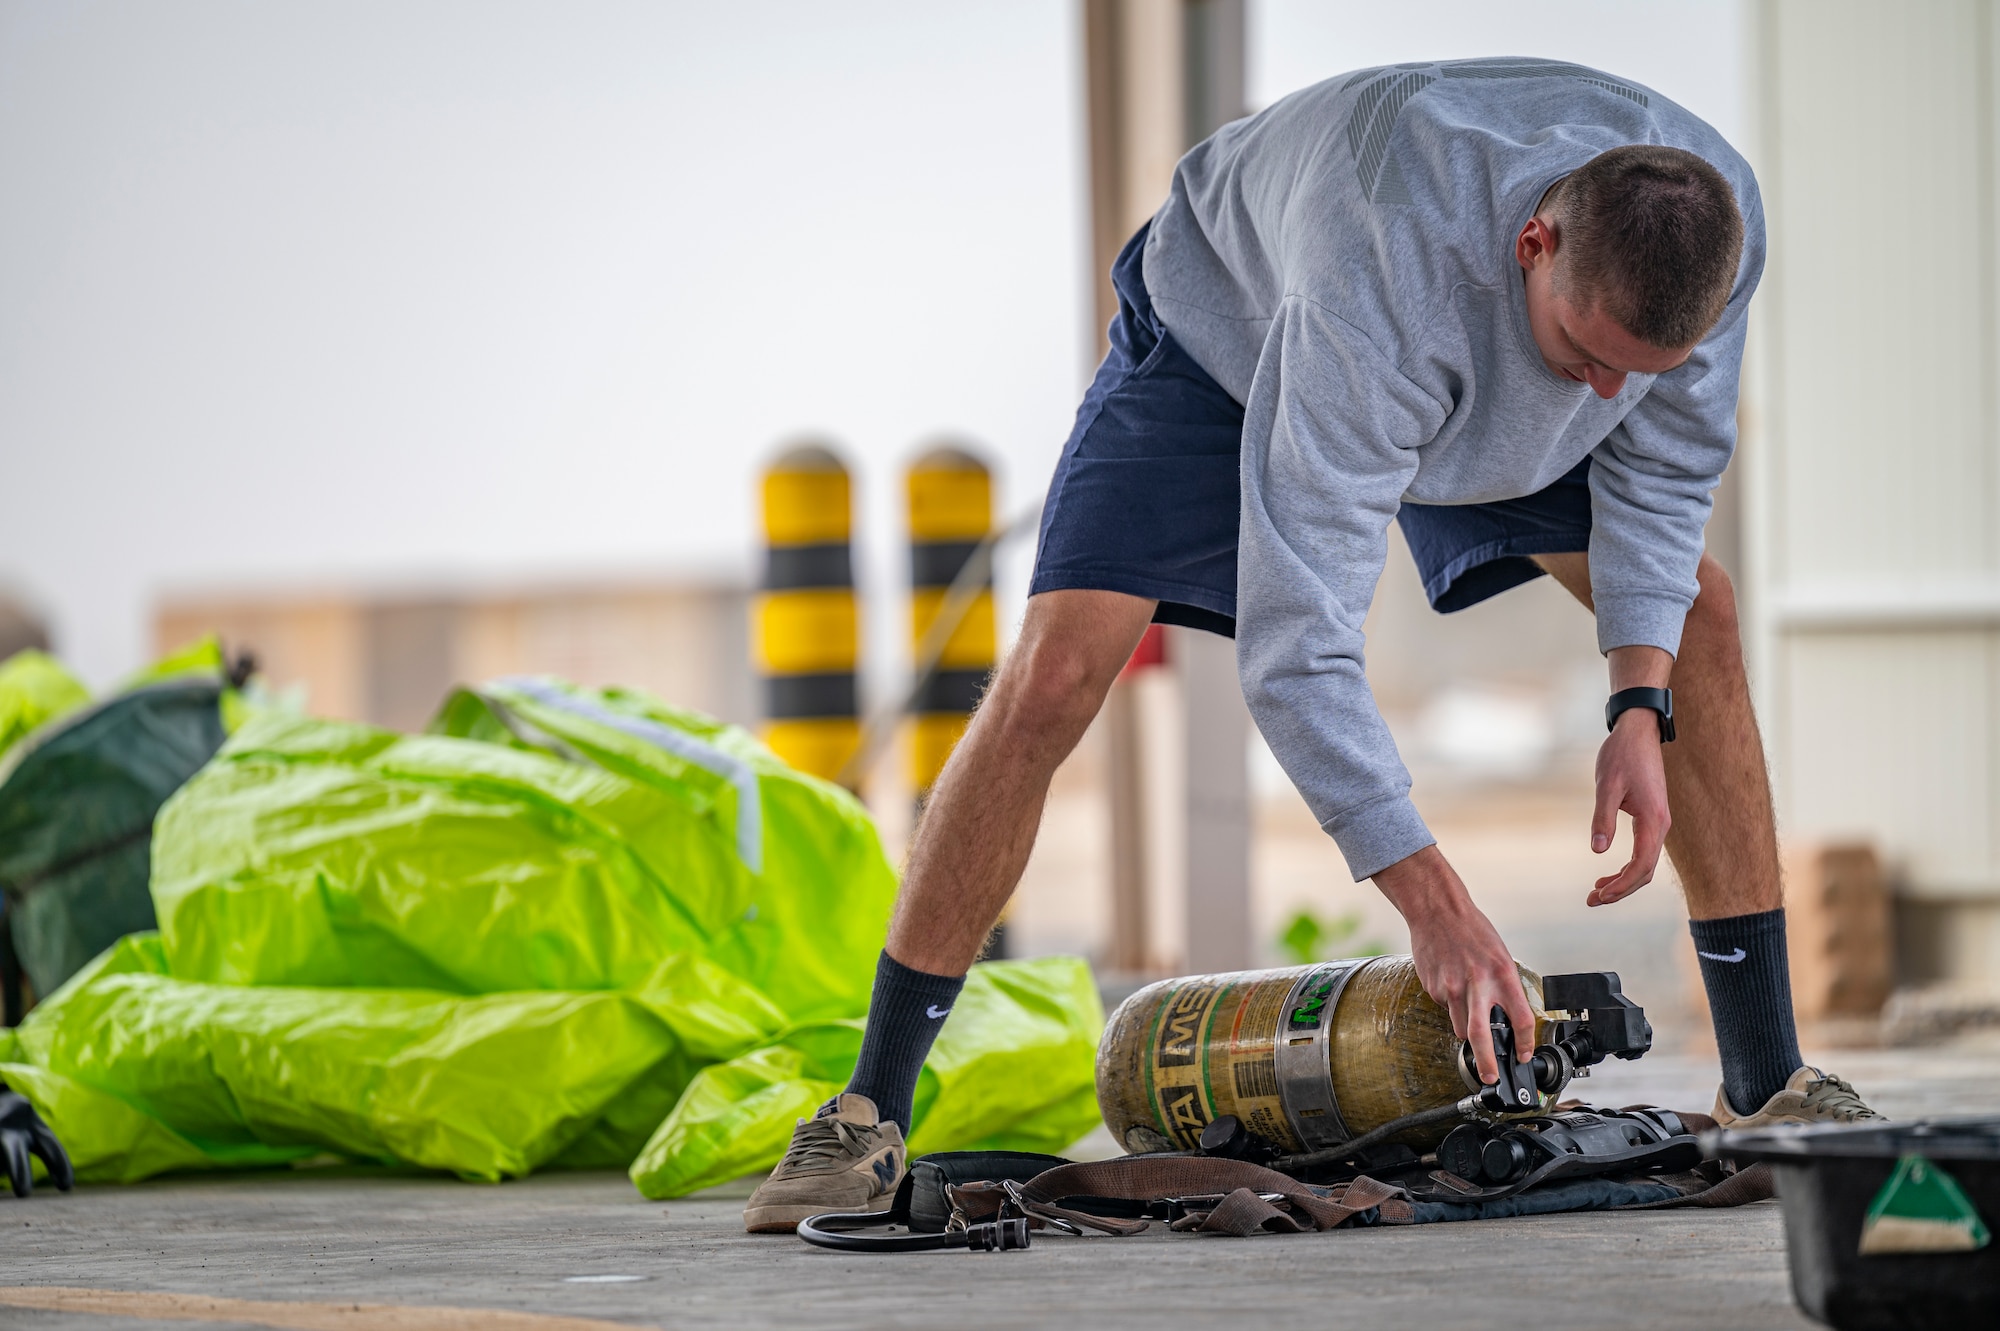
[1013,1070]
[202,658]
[34,690]
[143,1074]
[321,853]
[816,885]
[488,1087]
[117,1144]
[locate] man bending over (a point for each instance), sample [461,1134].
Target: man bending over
[1503,303]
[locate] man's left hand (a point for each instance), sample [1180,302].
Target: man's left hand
[1632,778]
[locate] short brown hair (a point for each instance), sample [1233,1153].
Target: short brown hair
[1653,232]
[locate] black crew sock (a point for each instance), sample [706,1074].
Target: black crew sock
[1749,981]
[904,1016]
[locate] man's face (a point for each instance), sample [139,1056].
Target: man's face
[1583,345]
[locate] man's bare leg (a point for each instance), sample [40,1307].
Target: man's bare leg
[970,848]
[1724,840]
[972,843]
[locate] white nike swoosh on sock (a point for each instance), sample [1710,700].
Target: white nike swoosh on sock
[934,1012]
[1737,955]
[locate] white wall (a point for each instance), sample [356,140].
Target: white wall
[1690,50]
[380,291]
[1876,452]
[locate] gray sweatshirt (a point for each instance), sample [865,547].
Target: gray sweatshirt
[1343,264]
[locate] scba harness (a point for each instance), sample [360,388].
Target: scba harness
[1493,1162]
[991,1201]
[1578,1158]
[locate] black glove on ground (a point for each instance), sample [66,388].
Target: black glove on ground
[22,1134]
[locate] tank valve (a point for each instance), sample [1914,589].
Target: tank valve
[1517,1088]
[1591,1020]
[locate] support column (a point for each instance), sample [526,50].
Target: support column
[1163,75]
[1217,729]
[806,628]
[1131,875]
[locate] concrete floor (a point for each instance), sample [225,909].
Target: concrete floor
[357,1249]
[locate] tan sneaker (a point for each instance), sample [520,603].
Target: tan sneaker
[1810,1096]
[841,1159]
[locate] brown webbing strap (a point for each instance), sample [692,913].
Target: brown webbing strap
[1152,1178]
[1241,1213]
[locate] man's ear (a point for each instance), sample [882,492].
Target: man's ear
[1538,240]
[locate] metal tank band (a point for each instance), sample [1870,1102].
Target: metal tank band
[1303,1054]
[1222,1044]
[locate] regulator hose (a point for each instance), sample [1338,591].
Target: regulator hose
[838,1230]
[1333,1155]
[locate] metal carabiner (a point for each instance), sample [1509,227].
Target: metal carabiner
[1021,1207]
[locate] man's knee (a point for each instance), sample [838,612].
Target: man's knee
[1713,619]
[1051,685]
[1071,649]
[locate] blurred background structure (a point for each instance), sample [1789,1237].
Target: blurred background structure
[388,655]
[954,633]
[414,343]
[808,634]
[1874,454]
[20,628]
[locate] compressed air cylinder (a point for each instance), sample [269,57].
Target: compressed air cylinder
[951,512]
[805,630]
[1305,1058]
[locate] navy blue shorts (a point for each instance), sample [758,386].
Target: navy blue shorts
[1144,499]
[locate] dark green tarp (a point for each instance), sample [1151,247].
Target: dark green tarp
[77,802]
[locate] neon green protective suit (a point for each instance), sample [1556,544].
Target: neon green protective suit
[569,927]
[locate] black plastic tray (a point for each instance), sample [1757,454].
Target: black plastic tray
[1827,1179]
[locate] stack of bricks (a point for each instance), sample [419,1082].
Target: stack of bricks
[1838,923]
[1840,932]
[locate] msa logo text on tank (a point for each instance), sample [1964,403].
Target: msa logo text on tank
[1180,1026]
[1181,1108]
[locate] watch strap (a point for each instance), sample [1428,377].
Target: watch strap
[1660,701]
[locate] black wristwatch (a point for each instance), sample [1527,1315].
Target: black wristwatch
[1657,700]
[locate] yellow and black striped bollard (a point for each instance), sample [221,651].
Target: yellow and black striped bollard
[951,512]
[806,629]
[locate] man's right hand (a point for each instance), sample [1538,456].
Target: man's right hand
[1459,955]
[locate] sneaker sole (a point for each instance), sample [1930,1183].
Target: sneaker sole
[785,1219]
[1755,1123]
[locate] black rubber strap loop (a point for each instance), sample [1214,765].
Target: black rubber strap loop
[1660,701]
[839,1230]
